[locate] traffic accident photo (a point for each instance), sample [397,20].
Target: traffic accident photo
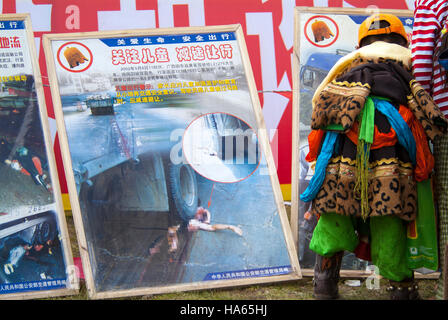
[35,254]
[163,140]
[30,251]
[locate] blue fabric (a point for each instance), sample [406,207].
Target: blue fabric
[324,157]
[404,133]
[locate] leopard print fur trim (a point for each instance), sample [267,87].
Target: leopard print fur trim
[392,190]
[330,93]
[341,102]
[339,106]
[426,111]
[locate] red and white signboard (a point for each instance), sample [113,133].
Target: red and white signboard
[268,26]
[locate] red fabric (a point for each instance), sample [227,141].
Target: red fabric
[314,142]
[37,165]
[79,269]
[424,157]
[380,139]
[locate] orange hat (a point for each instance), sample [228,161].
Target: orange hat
[395,26]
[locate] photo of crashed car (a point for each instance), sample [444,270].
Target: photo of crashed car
[30,249]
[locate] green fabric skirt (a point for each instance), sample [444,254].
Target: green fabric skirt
[334,233]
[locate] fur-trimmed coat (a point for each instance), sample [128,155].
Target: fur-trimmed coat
[383,70]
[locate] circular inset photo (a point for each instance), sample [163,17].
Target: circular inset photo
[221,147]
[74,57]
[321,31]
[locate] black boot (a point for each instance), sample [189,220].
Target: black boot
[326,276]
[403,290]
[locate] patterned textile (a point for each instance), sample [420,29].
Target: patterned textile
[339,103]
[392,189]
[429,18]
[441,169]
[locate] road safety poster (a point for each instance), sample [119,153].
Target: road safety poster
[170,173]
[35,258]
[322,37]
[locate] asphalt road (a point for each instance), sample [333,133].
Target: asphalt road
[131,247]
[123,256]
[19,191]
[250,205]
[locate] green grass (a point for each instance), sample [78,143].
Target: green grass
[291,290]
[287,290]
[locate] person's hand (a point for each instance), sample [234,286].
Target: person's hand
[238,231]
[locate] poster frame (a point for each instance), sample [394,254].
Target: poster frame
[73,195]
[295,170]
[72,287]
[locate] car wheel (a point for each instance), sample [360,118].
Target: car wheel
[182,190]
[45,231]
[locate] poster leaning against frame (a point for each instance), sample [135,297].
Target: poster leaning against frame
[171,178]
[35,255]
[322,36]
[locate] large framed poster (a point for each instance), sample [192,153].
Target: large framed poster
[322,36]
[171,178]
[35,254]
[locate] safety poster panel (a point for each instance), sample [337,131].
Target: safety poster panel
[35,256]
[171,178]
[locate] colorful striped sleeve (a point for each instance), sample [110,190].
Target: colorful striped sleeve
[429,17]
